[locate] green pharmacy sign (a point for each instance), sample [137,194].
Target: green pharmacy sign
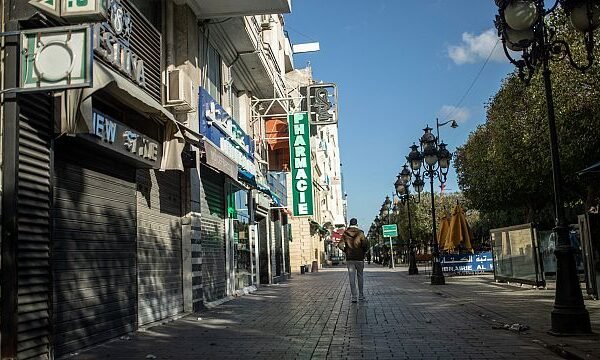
[302,186]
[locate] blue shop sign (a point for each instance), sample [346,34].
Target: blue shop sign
[223,131]
[468,263]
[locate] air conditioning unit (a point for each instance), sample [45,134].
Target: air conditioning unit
[266,22]
[179,91]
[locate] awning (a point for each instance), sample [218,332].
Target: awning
[264,189]
[339,220]
[77,113]
[276,200]
[247,177]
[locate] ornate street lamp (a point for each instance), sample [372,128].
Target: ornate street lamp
[523,27]
[387,208]
[434,160]
[402,185]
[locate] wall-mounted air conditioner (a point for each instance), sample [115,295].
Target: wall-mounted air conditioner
[266,22]
[179,90]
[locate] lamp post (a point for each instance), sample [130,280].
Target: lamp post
[523,28]
[377,222]
[402,185]
[434,159]
[438,125]
[387,207]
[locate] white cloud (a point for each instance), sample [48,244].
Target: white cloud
[460,114]
[477,47]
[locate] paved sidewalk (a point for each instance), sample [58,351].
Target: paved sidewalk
[311,316]
[501,303]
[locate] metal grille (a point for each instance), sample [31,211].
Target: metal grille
[160,292]
[212,238]
[33,253]
[146,42]
[93,251]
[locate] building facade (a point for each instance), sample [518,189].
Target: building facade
[159,190]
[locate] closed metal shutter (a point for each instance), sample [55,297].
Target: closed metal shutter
[212,232]
[33,221]
[93,249]
[263,243]
[278,248]
[160,292]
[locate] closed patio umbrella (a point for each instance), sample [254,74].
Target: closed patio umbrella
[443,240]
[459,231]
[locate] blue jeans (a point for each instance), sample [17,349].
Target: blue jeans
[355,269]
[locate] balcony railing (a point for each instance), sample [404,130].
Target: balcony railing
[277,184]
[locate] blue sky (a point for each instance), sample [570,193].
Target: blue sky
[398,66]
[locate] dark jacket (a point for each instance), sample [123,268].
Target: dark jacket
[354,244]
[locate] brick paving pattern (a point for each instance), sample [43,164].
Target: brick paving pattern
[311,317]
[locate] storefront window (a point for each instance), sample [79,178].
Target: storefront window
[244,261]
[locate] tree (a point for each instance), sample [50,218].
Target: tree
[504,168]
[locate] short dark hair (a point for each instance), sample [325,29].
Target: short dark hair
[353,221]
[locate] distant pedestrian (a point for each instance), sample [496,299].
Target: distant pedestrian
[355,246]
[369,257]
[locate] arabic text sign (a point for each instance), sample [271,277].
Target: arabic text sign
[463,263]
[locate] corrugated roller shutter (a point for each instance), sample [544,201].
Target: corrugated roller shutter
[160,292]
[33,253]
[93,249]
[278,249]
[214,276]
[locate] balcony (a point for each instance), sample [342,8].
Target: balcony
[256,63]
[206,9]
[277,184]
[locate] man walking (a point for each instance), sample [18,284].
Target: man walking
[355,246]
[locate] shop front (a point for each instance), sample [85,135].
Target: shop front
[228,236]
[117,232]
[93,202]
[242,244]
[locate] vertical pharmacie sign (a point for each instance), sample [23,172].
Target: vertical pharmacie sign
[302,186]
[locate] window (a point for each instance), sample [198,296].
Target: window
[235,104]
[212,80]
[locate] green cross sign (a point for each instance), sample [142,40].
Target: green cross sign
[390,230]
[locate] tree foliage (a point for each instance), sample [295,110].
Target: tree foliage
[504,168]
[422,222]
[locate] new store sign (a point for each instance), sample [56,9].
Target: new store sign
[112,134]
[302,185]
[56,58]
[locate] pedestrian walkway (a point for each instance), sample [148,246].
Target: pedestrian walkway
[311,316]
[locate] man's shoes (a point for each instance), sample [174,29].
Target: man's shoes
[353,300]
[362,299]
